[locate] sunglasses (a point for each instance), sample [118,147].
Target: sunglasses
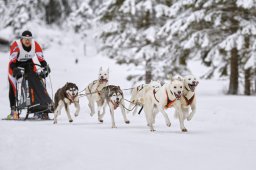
[26,38]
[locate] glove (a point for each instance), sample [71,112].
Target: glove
[17,73]
[45,72]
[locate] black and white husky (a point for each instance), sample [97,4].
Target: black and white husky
[92,91]
[113,97]
[64,97]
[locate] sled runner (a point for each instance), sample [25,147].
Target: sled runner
[31,93]
[27,119]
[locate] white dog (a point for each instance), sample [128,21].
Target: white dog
[188,99]
[92,91]
[139,92]
[167,96]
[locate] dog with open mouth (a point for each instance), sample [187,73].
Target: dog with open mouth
[92,91]
[113,97]
[157,101]
[64,97]
[188,99]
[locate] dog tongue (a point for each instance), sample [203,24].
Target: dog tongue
[192,87]
[177,96]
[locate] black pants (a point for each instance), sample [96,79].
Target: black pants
[11,96]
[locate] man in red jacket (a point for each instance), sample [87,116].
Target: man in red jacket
[22,52]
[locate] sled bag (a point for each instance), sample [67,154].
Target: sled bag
[39,97]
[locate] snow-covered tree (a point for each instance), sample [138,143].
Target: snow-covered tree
[130,35]
[214,31]
[81,18]
[2,13]
[20,12]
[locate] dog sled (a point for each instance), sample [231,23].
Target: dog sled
[31,93]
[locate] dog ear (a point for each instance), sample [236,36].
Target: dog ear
[66,85]
[108,70]
[100,68]
[180,78]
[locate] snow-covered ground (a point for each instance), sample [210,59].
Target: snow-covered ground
[221,135]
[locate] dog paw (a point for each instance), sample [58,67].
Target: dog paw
[91,114]
[189,118]
[55,122]
[168,124]
[152,130]
[71,121]
[127,121]
[184,130]
[100,120]
[114,126]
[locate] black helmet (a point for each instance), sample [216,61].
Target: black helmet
[26,34]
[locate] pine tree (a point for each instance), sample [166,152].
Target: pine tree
[2,13]
[213,31]
[81,18]
[130,35]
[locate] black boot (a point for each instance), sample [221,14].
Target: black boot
[45,116]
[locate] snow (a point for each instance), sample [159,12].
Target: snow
[6,33]
[245,3]
[251,62]
[220,135]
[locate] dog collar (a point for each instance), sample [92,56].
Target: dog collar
[103,80]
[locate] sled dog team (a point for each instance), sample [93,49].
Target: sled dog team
[178,93]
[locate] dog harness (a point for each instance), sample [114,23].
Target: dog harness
[187,88]
[114,104]
[94,82]
[139,88]
[169,102]
[189,101]
[154,92]
[72,100]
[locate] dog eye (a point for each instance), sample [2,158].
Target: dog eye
[181,87]
[175,87]
[189,79]
[105,74]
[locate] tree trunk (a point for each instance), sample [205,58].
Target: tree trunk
[254,79]
[247,82]
[233,81]
[148,74]
[247,72]
[53,11]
